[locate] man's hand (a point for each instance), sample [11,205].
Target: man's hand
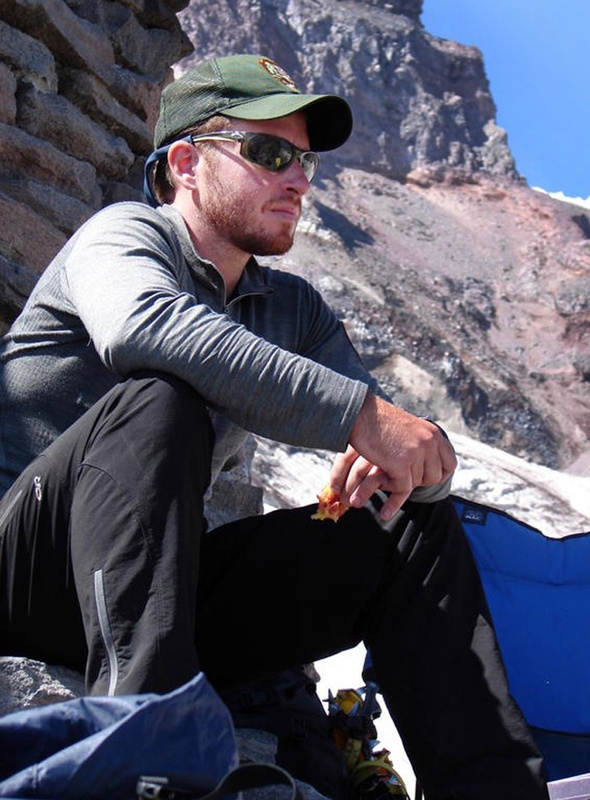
[392,450]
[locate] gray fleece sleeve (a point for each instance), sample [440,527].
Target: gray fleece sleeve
[122,278]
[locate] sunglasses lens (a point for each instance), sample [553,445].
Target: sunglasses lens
[275,154]
[269,152]
[309,163]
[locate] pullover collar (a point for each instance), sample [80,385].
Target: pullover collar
[253,280]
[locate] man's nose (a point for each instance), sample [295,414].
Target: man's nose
[296,179]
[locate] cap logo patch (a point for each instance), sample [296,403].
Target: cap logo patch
[278,73]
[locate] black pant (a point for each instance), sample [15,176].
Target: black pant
[101,548]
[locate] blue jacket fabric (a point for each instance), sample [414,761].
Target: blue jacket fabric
[97,747]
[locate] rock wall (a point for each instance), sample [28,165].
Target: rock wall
[80,83]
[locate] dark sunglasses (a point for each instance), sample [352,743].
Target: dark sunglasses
[267,151]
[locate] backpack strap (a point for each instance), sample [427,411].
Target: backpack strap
[246,776]
[253,776]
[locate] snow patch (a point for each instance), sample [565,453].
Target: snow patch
[577,201]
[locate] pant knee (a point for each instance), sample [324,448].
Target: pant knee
[151,427]
[159,402]
[179,401]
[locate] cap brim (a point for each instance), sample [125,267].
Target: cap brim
[329,118]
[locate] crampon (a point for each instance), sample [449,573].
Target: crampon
[372,776]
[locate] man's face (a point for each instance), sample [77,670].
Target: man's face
[250,208]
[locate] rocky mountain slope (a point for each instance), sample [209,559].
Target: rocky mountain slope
[465,290]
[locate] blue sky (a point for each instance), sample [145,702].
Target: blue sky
[537,60]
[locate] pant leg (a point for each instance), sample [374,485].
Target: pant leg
[128,478]
[39,611]
[446,685]
[282,589]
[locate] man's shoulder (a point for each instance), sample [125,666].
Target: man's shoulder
[125,221]
[129,210]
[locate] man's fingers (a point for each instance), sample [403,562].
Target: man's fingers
[432,471]
[366,488]
[402,454]
[435,461]
[358,482]
[341,468]
[393,503]
[448,457]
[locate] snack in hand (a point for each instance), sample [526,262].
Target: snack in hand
[329,505]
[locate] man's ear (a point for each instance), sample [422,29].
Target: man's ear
[182,161]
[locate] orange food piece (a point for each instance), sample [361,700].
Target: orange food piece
[329,505]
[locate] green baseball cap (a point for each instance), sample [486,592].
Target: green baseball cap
[248,87]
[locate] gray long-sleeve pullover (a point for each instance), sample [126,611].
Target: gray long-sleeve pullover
[129,292]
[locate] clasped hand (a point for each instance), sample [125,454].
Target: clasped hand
[392,450]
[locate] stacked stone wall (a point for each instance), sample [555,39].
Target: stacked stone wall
[80,84]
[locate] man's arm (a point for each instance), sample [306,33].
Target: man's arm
[392,450]
[388,448]
[123,279]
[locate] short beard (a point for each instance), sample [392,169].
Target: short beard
[226,213]
[259,244]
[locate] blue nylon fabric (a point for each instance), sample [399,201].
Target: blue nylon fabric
[97,747]
[566,755]
[538,590]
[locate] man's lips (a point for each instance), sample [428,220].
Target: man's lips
[287,208]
